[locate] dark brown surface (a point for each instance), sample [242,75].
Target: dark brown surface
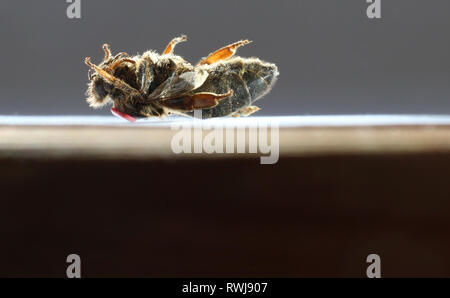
[305,216]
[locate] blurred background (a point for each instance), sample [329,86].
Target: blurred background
[332,58]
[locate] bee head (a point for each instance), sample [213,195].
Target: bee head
[98,92]
[101,91]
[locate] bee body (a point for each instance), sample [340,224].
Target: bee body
[153,85]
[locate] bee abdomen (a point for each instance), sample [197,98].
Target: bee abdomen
[249,78]
[260,78]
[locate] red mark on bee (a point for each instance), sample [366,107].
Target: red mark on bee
[119,114]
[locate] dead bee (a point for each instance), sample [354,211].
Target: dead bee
[153,85]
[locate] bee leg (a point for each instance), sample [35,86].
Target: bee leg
[144,75]
[246,111]
[107,51]
[223,53]
[201,100]
[120,61]
[118,83]
[120,55]
[171,46]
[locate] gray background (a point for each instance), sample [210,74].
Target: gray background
[332,58]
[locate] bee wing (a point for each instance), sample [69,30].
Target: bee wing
[177,85]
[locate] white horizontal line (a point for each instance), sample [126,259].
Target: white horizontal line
[284,121]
